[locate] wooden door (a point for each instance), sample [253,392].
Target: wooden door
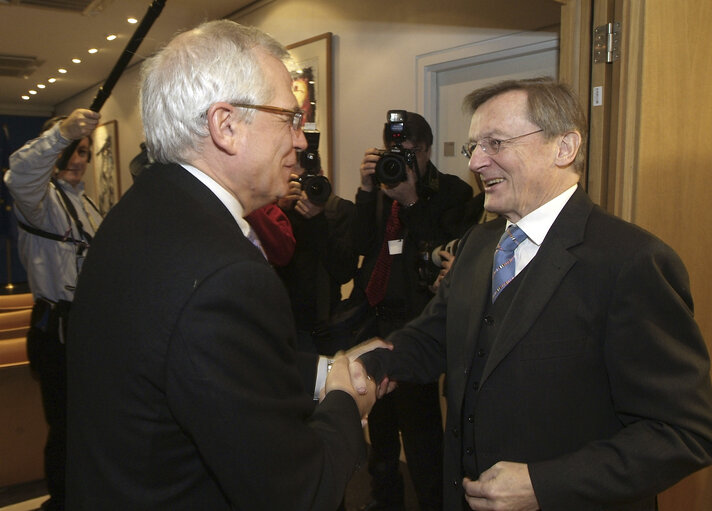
[650,159]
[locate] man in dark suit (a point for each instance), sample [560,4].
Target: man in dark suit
[584,382]
[185,391]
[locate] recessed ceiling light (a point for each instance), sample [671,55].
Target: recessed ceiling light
[41,86]
[93,50]
[111,37]
[33,92]
[77,61]
[25,97]
[62,70]
[132,20]
[52,80]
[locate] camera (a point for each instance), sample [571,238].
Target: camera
[430,262]
[317,188]
[450,247]
[391,167]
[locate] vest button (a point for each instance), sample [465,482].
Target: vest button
[470,419]
[488,320]
[469,451]
[455,432]
[480,353]
[476,386]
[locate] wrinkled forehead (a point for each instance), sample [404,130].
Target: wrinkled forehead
[499,115]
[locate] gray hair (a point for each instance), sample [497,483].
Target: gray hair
[215,61]
[552,106]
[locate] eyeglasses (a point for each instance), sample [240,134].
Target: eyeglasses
[489,145]
[297,115]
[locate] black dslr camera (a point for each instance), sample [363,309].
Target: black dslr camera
[391,168]
[317,187]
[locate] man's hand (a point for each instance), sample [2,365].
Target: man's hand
[306,208]
[446,259]
[505,486]
[339,378]
[368,167]
[404,192]
[359,377]
[79,124]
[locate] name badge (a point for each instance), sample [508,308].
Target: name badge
[395,247]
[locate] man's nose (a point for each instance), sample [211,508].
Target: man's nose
[300,141]
[478,159]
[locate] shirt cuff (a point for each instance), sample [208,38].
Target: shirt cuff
[321,372]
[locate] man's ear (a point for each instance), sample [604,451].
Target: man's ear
[568,148]
[224,128]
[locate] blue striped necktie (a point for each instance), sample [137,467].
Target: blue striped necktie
[503,267]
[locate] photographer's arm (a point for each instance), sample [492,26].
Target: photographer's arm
[364,232]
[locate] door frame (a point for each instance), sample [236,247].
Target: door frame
[428,65]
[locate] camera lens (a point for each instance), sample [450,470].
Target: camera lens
[390,169]
[317,188]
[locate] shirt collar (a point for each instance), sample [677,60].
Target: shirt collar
[229,200]
[537,223]
[76,190]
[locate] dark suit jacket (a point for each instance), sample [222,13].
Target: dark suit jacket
[598,378]
[185,391]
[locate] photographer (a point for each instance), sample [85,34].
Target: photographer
[57,223]
[324,257]
[459,220]
[398,214]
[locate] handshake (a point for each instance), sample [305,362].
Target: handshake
[348,374]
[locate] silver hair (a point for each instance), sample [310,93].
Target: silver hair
[214,62]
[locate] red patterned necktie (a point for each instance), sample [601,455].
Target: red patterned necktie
[377,284]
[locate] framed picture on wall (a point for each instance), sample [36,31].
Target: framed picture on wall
[106,165]
[311,84]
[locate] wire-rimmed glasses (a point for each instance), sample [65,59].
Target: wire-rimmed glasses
[297,115]
[490,145]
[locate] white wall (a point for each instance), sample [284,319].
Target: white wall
[375,45]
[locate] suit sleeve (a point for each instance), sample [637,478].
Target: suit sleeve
[658,369]
[234,386]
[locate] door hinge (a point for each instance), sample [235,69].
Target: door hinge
[606,43]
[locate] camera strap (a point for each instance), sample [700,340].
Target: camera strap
[72,212]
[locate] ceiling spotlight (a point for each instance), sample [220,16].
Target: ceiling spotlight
[93,50]
[41,86]
[62,70]
[25,97]
[133,21]
[77,61]
[111,37]
[52,80]
[32,91]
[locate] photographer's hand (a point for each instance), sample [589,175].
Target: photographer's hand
[368,167]
[294,192]
[306,208]
[446,259]
[405,192]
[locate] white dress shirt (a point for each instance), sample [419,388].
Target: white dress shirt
[536,225]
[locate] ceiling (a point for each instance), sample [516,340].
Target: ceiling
[37,37]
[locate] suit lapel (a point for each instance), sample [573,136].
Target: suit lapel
[543,277]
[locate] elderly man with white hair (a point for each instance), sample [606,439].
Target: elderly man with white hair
[185,390]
